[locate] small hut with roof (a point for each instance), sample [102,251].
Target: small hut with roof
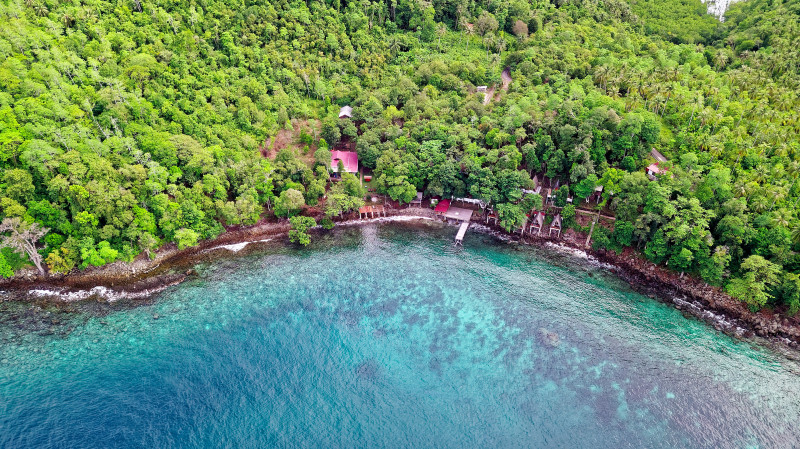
[346,112]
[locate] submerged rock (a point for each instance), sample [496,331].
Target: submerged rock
[549,338]
[368,370]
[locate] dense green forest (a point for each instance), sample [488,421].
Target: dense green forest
[128,124]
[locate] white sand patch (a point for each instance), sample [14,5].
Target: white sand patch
[384,219]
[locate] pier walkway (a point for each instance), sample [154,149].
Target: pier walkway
[448,212]
[461,231]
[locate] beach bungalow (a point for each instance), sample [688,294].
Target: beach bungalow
[555,226]
[346,112]
[348,158]
[529,191]
[491,216]
[366,211]
[536,224]
[416,201]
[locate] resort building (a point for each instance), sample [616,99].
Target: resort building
[442,207]
[596,196]
[656,167]
[348,158]
[657,156]
[653,170]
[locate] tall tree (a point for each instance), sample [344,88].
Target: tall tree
[22,237]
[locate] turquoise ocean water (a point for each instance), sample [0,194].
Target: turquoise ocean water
[387,336]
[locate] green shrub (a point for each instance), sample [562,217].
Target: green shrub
[298,232]
[186,238]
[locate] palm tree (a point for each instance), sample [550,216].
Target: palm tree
[394,44]
[781,217]
[67,19]
[793,170]
[466,27]
[760,174]
[778,193]
[721,59]
[601,74]
[715,148]
[759,203]
[740,151]
[669,91]
[698,102]
[501,44]
[489,42]
[441,30]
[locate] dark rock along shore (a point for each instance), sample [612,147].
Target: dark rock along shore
[690,295]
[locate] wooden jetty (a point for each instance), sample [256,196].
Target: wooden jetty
[461,231]
[448,212]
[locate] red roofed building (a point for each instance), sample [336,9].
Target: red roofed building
[442,207]
[653,170]
[348,158]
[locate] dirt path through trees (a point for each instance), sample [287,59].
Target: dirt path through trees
[487,97]
[506,77]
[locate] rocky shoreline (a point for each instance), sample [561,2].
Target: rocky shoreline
[144,277]
[692,296]
[711,304]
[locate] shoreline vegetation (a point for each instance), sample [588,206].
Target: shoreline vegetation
[146,277]
[667,135]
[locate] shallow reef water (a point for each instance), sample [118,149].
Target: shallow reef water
[386,335]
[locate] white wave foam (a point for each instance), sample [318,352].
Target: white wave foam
[236,247]
[569,250]
[720,321]
[581,254]
[100,291]
[477,227]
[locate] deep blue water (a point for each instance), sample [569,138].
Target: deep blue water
[386,336]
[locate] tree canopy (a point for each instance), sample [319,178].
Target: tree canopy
[123,127]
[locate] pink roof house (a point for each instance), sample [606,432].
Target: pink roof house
[348,158]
